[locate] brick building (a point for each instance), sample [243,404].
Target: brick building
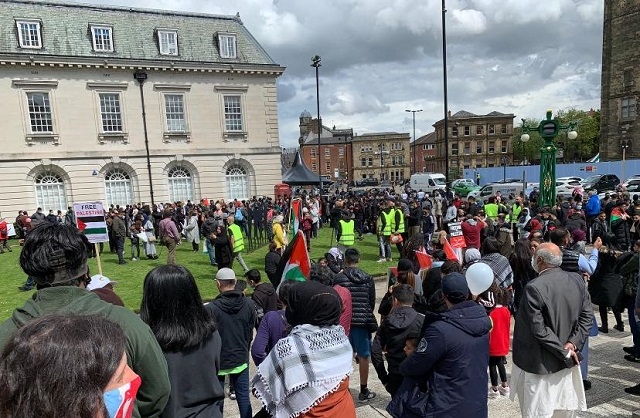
[620,80]
[475,141]
[424,150]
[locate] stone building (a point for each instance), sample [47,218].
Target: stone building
[619,124]
[198,120]
[424,150]
[475,141]
[384,156]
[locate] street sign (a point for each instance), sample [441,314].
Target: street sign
[90,221]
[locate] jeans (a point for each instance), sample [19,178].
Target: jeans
[120,248]
[135,247]
[385,247]
[635,329]
[240,383]
[210,251]
[238,257]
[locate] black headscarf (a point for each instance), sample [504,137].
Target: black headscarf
[313,303]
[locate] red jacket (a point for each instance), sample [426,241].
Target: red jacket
[499,335]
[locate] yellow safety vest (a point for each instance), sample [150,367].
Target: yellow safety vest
[388,222]
[347,238]
[238,240]
[491,210]
[400,226]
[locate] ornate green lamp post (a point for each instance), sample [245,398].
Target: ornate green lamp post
[548,129]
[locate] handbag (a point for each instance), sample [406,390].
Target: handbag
[142,236]
[395,239]
[151,238]
[409,402]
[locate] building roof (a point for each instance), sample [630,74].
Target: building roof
[429,138]
[65,29]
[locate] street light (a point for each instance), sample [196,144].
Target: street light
[524,138]
[315,63]
[382,152]
[446,103]
[548,129]
[503,160]
[624,144]
[414,135]
[140,76]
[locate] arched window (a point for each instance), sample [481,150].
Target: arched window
[50,192]
[180,184]
[237,182]
[118,190]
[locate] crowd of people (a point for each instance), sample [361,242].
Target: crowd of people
[439,347]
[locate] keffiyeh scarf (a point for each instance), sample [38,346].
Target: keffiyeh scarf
[302,369]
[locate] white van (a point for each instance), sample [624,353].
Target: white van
[491,189]
[428,182]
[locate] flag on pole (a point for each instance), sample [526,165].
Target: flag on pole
[295,263]
[424,260]
[448,250]
[295,214]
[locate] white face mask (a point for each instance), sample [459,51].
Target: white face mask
[534,265]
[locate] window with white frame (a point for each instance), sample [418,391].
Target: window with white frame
[341,152]
[233,113]
[102,37]
[503,129]
[117,186]
[479,129]
[478,147]
[363,162]
[396,146]
[237,182]
[180,184]
[503,147]
[111,112]
[40,115]
[628,108]
[327,166]
[467,130]
[327,152]
[314,167]
[370,162]
[50,191]
[29,35]
[492,129]
[313,152]
[227,44]
[175,113]
[168,41]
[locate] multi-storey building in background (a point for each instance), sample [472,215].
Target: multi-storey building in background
[87,90]
[424,150]
[475,141]
[619,126]
[384,156]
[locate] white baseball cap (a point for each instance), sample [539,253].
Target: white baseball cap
[98,282]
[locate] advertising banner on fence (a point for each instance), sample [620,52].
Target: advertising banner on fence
[90,221]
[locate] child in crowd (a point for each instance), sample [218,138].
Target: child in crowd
[499,344]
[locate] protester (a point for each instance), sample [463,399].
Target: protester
[523,273]
[401,323]
[552,322]
[105,289]
[150,245]
[223,248]
[271,261]
[453,355]
[119,234]
[491,256]
[264,295]
[235,316]
[499,343]
[169,235]
[323,275]
[363,322]
[307,373]
[237,241]
[84,352]
[55,255]
[192,232]
[279,236]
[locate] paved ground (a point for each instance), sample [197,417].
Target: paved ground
[608,372]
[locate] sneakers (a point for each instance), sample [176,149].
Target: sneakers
[633,390]
[382,260]
[504,390]
[134,259]
[366,396]
[619,327]
[493,393]
[632,358]
[629,350]
[24,288]
[232,395]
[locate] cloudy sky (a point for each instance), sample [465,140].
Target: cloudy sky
[381,57]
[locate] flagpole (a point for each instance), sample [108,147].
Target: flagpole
[95,244]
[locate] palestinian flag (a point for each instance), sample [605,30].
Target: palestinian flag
[448,250]
[295,214]
[424,260]
[90,225]
[295,263]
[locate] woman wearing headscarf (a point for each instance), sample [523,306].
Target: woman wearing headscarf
[306,374]
[278,233]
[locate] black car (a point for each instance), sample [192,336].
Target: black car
[368,182]
[601,182]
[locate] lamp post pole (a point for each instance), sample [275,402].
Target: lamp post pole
[140,76]
[414,135]
[548,129]
[446,104]
[315,63]
[625,144]
[504,169]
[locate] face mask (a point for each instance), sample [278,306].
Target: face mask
[579,207]
[533,265]
[119,401]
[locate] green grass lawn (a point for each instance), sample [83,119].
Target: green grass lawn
[131,275]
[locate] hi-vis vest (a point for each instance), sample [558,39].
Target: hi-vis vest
[347,238]
[388,222]
[400,226]
[238,240]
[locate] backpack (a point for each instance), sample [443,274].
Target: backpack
[238,216]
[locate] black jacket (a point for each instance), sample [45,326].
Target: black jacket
[403,322]
[363,296]
[208,227]
[265,298]
[271,261]
[620,228]
[235,317]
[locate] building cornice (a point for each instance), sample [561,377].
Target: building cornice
[37,60]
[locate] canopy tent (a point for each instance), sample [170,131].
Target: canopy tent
[299,174]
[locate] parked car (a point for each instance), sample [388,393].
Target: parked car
[572,179]
[565,186]
[507,180]
[631,178]
[491,189]
[368,182]
[601,182]
[633,186]
[462,187]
